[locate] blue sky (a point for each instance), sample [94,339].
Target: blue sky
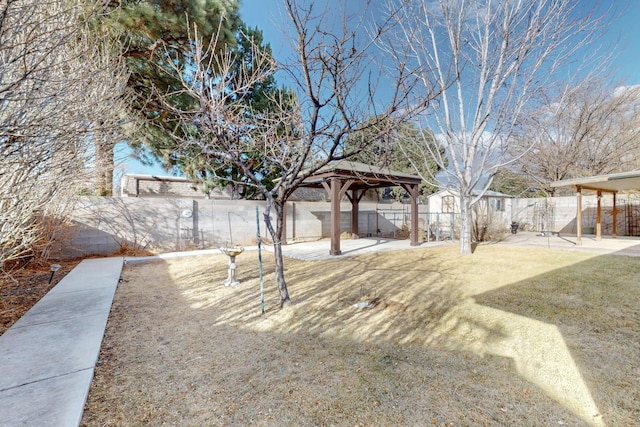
[624,32]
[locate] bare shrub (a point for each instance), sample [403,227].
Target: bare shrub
[61,90]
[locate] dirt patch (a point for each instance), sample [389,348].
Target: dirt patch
[22,288]
[448,340]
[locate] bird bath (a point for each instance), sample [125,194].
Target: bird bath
[232,253]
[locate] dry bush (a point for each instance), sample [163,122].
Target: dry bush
[131,249]
[487,230]
[61,87]
[486,225]
[25,286]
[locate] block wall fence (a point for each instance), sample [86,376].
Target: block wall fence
[106,225]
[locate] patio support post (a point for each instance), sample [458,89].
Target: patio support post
[614,229]
[599,216]
[413,191]
[354,198]
[335,217]
[354,211]
[579,216]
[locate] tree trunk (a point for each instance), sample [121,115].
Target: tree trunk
[276,235]
[465,224]
[104,167]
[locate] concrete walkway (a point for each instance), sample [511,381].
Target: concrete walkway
[629,246]
[47,357]
[319,250]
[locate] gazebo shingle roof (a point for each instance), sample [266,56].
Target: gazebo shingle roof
[364,176]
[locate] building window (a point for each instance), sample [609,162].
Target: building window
[448,204]
[497,204]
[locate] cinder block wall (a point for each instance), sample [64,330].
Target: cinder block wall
[106,225]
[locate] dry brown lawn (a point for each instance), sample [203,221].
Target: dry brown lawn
[508,336]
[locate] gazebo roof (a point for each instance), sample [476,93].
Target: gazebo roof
[612,182]
[363,175]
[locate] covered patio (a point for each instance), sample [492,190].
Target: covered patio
[353,179]
[612,184]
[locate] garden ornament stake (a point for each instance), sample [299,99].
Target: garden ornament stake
[54,268]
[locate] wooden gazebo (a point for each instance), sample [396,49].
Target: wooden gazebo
[612,183]
[353,179]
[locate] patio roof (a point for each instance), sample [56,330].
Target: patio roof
[364,176]
[611,183]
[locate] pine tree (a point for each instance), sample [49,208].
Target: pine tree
[260,98]
[157,39]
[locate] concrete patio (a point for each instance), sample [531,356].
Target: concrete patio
[319,250]
[629,246]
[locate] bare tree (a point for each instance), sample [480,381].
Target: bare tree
[590,129]
[334,85]
[488,59]
[58,89]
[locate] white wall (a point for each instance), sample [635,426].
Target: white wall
[105,225]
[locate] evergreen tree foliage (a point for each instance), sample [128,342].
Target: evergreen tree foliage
[159,40]
[398,146]
[158,36]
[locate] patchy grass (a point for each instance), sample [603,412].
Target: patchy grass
[508,336]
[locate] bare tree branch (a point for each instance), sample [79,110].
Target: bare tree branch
[336,93]
[488,60]
[583,130]
[59,89]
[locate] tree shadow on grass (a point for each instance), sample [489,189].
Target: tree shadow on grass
[392,363]
[583,319]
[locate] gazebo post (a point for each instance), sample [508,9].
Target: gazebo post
[614,229]
[579,216]
[413,191]
[599,216]
[335,217]
[354,198]
[355,201]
